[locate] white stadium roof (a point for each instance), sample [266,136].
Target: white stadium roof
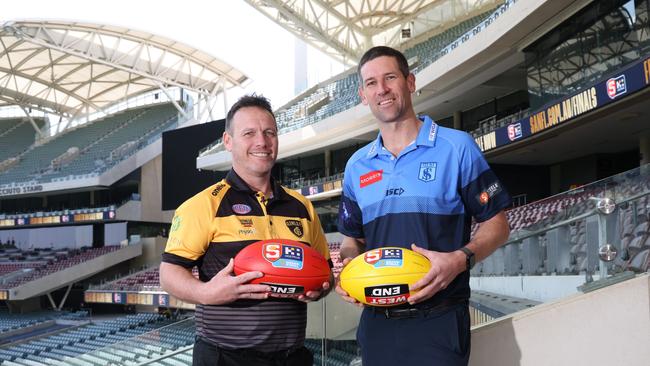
[344,29]
[75,68]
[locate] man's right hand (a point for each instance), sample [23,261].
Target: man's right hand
[339,290]
[225,288]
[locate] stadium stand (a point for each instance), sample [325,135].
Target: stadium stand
[341,93]
[65,347]
[553,239]
[16,135]
[56,261]
[96,146]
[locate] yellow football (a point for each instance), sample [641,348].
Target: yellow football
[381,277]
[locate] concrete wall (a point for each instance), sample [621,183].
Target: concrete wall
[151,190]
[152,249]
[606,327]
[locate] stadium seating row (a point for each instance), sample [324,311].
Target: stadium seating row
[86,150]
[56,261]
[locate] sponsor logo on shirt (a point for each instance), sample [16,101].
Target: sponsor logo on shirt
[241,209]
[370,178]
[217,189]
[176,223]
[394,191]
[427,171]
[246,222]
[373,148]
[485,196]
[382,257]
[514,131]
[616,86]
[433,131]
[387,294]
[283,255]
[249,231]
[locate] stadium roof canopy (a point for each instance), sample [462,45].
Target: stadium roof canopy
[344,29]
[73,68]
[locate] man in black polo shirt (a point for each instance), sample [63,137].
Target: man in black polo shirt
[239,323]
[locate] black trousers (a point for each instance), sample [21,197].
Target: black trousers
[207,354]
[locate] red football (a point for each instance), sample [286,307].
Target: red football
[289,267]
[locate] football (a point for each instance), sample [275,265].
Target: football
[289,267]
[381,277]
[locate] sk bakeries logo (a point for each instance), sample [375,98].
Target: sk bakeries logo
[296,227]
[370,178]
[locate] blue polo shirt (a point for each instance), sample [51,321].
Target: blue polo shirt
[427,195]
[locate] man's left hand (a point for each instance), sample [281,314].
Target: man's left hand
[444,268]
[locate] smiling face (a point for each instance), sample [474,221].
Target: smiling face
[386,90]
[253,142]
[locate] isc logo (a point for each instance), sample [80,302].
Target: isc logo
[616,86]
[384,257]
[387,294]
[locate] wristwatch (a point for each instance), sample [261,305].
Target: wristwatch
[470,260]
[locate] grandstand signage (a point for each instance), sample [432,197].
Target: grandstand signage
[58,219]
[320,188]
[134,298]
[618,86]
[20,190]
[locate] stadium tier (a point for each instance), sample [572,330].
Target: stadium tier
[16,135]
[93,148]
[56,261]
[553,93]
[335,96]
[89,344]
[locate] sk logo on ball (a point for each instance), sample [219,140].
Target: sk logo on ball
[384,257]
[283,256]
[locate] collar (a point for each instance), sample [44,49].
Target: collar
[238,184]
[426,137]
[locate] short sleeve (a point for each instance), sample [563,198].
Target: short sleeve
[350,220]
[190,233]
[483,194]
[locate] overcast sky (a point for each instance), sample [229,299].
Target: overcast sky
[230,30]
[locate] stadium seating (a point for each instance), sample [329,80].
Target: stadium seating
[16,135]
[542,252]
[342,92]
[55,261]
[88,344]
[95,142]
[146,280]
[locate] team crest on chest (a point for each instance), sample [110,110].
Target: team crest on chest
[296,227]
[427,171]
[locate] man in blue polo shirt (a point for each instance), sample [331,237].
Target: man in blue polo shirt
[417,186]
